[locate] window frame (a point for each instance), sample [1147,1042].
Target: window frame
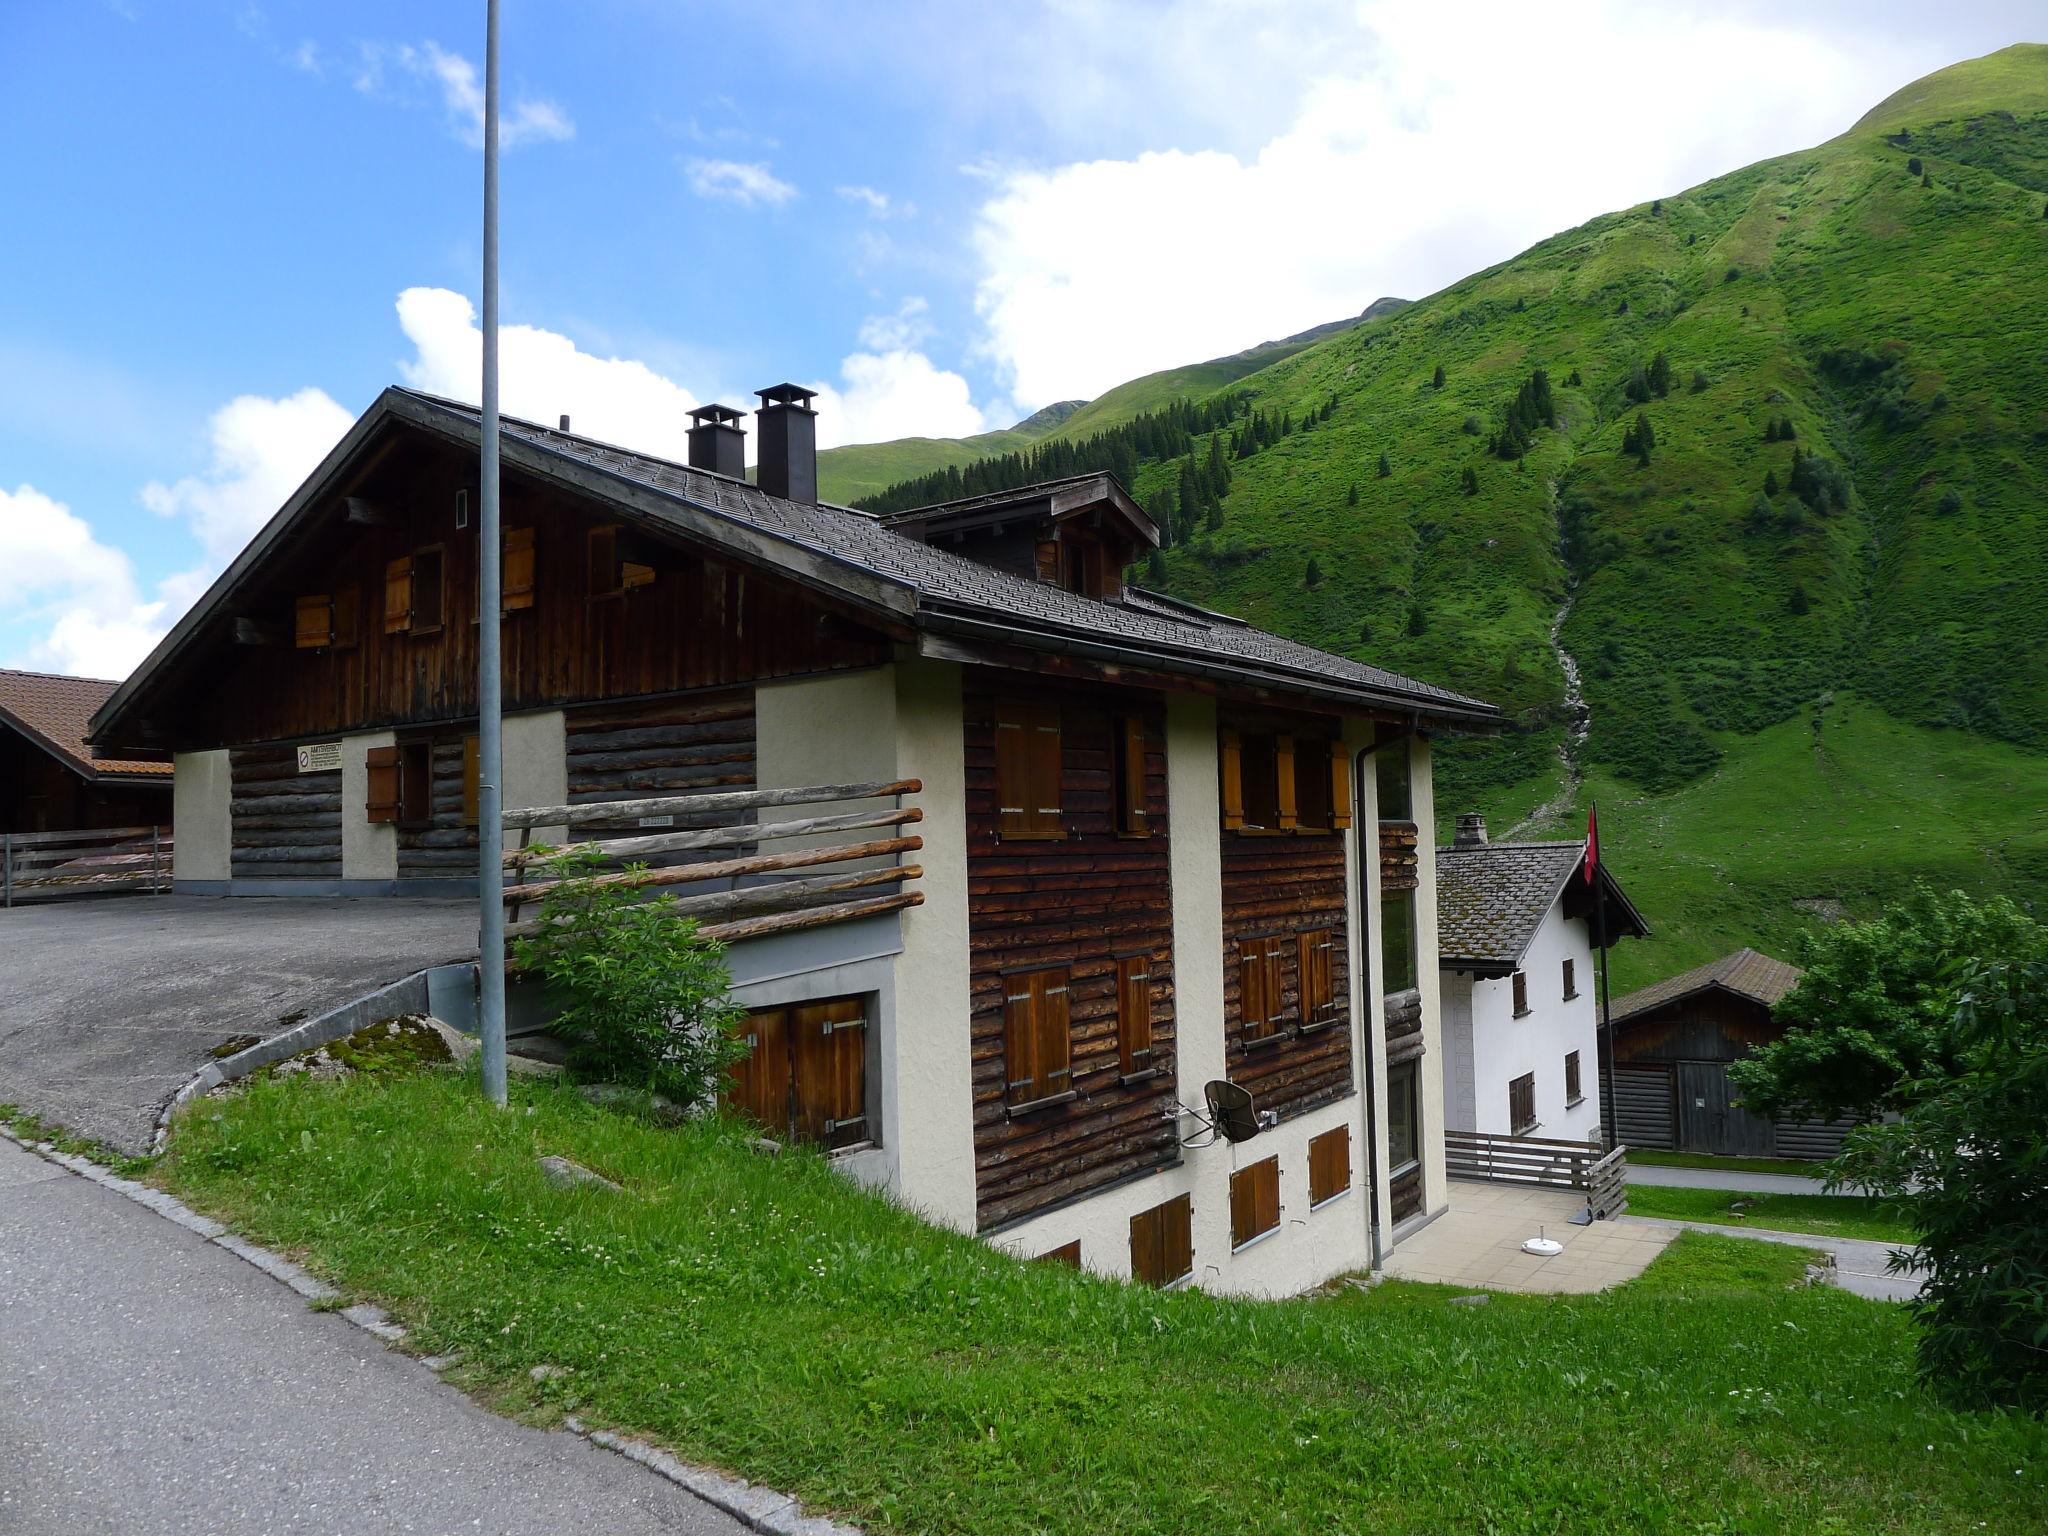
[1403,900]
[1042,1016]
[1254,1202]
[1392,761]
[1522,1089]
[415,785]
[1404,1092]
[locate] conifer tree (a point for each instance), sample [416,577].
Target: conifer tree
[1436,380]
[1770,482]
[1637,389]
[1771,430]
[1785,432]
[1214,521]
[1470,480]
[1155,569]
[1575,381]
[1660,376]
[1386,469]
[1313,576]
[1913,166]
[1797,602]
[1418,621]
[1352,499]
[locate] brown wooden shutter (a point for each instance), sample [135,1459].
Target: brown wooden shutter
[1571,979]
[1287,806]
[828,1047]
[1055,1032]
[1048,807]
[1522,1104]
[1134,1013]
[1572,1090]
[1254,1201]
[1162,1242]
[1131,778]
[398,595]
[1013,771]
[348,616]
[1037,1035]
[472,776]
[380,802]
[517,572]
[1254,1013]
[314,627]
[1340,786]
[761,1080]
[1232,753]
[1276,981]
[1312,966]
[1329,1165]
[1521,993]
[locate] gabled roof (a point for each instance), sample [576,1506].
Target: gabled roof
[958,606]
[54,712]
[1492,897]
[1049,500]
[1746,973]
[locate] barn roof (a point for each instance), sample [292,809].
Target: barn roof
[1492,897]
[54,711]
[959,606]
[1745,973]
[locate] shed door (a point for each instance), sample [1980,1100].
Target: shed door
[805,1072]
[1708,1121]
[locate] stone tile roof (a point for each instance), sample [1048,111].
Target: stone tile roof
[1492,897]
[54,711]
[1745,973]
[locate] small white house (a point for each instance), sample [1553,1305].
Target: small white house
[1517,954]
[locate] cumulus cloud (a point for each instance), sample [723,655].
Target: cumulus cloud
[877,203]
[56,577]
[1425,148]
[521,119]
[748,183]
[259,452]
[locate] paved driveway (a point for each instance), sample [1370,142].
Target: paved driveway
[108,1007]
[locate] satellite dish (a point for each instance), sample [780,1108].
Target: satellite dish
[1230,1111]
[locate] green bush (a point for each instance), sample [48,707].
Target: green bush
[642,995]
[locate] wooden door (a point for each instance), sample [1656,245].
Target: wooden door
[1710,1121]
[762,1084]
[828,1051]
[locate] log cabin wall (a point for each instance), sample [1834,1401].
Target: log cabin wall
[286,825]
[1281,886]
[695,744]
[697,623]
[1078,902]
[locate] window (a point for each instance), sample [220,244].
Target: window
[1134,1015]
[1068,1254]
[1522,1104]
[1329,1166]
[1521,982]
[416,784]
[1037,1038]
[1573,1094]
[1390,767]
[516,571]
[380,801]
[1028,807]
[1571,981]
[1404,1134]
[1397,939]
[1130,777]
[1162,1242]
[414,593]
[805,1072]
[612,570]
[1261,987]
[313,628]
[1254,1202]
[1283,783]
[1314,973]
[1259,765]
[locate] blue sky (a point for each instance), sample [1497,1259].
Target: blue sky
[231,222]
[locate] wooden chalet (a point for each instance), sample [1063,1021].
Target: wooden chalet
[1156,847]
[50,781]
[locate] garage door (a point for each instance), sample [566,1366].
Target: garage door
[1709,1119]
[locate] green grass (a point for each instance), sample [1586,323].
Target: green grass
[1652,1158]
[1818,1215]
[763,1315]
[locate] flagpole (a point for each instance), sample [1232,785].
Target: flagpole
[490,687]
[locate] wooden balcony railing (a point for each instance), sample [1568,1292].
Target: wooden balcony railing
[38,865]
[1536,1160]
[739,889]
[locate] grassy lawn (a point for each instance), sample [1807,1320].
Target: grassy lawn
[762,1315]
[1821,1215]
[1651,1158]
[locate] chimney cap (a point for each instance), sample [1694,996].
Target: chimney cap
[794,396]
[715,415]
[1471,830]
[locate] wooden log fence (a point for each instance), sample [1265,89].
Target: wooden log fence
[755,893]
[1539,1160]
[43,865]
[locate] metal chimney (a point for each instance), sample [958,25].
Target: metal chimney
[717,441]
[789,443]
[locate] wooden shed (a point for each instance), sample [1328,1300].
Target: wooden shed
[49,779]
[1673,1042]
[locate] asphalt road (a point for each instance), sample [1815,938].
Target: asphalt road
[108,1007]
[151,1382]
[1719,1178]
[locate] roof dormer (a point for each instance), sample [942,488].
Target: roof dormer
[1079,533]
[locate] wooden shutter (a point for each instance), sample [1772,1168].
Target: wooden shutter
[1340,786]
[1522,1104]
[1329,1165]
[1571,979]
[348,616]
[1572,1090]
[314,627]
[1521,993]
[1037,1036]
[1134,1013]
[828,1049]
[1162,1242]
[380,802]
[761,1079]
[1286,806]
[398,595]
[1130,803]
[1028,780]
[1313,970]
[1254,1011]
[1232,754]
[472,777]
[1068,1254]
[516,584]
[1049,814]
[1254,1201]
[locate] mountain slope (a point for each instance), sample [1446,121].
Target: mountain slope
[860,469]
[1733,600]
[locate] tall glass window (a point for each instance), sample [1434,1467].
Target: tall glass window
[1390,765]
[1403,1136]
[1397,939]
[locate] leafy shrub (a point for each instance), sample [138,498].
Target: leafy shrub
[642,995]
[1913,166]
[1470,481]
[1472,426]
[1700,382]
[1951,502]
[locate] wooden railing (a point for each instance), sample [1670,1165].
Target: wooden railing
[1535,1160]
[40,865]
[750,893]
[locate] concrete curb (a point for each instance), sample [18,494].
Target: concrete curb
[761,1509]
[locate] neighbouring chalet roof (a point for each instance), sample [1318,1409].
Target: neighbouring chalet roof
[957,606]
[54,713]
[1051,499]
[1492,897]
[1745,973]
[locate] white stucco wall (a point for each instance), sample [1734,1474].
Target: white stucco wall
[1430,1082]
[1460,1109]
[1504,1047]
[367,852]
[201,827]
[536,765]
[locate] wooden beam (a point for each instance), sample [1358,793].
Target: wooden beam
[732,869]
[763,898]
[731,837]
[703,805]
[811,917]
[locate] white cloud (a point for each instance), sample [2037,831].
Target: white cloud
[892,389]
[260,450]
[877,203]
[57,577]
[910,326]
[748,183]
[521,119]
[1426,144]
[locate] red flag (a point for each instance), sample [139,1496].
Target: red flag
[1592,840]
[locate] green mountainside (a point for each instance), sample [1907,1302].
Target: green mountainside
[861,469]
[1781,484]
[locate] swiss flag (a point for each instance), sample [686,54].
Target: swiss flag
[1592,840]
